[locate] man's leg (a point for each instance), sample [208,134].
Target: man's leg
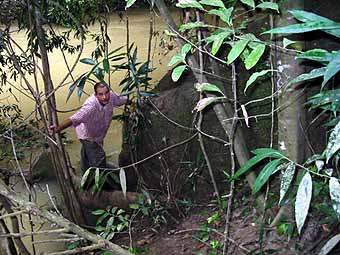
[92,155]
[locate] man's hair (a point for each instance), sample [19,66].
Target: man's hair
[100,85]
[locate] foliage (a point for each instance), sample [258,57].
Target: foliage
[152,209]
[111,221]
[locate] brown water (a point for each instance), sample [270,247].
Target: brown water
[139,32]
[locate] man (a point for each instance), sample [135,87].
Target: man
[91,123]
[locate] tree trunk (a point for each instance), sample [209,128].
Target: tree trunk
[58,153]
[291,117]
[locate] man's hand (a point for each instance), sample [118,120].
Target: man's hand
[52,129]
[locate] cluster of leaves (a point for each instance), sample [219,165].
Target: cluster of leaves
[97,178]
[328,101]
[152,209]
[111,221]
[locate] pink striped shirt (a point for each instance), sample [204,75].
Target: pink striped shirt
[93,120]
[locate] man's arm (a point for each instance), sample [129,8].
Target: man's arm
[63,125]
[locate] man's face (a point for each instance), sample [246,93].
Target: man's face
[103,95]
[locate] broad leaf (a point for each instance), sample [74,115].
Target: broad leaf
[96,177]
[191,25]
[224,14]
[334,191]
[185,49]
[287,42]
[261,154]
[333,144]
[331,243]
[201,87]
[129,3]
[204,102]
[98,212]
[106,65]
[269,5]
[254,77]
[85,176]
[308,76]
[319,55]
[264,175]
[332,69]
[254,56]
[250,3]
[175,59]
[268,151]
[81,85]
[302,28]
[189,4]
[216,3]
[122,180]
[304,16]
[302,202]
[219,39]
[327,100]
[88,61]
[286,180]
[177,72]
[236,50]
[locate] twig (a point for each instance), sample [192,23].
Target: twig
[43,232]
[232,158]
[51,199]
[59,240]
[77,250]
[12,214]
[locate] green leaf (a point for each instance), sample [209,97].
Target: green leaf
[185,49]
[319,55]
[334,191]
[129,3]
[177,72]
[98,212]
[264,175]
[175,59]
[333,144]
[106,65]
[269,5]
[96,177]
[216,3]
[189,4]
[250,3]
[200,87]
[85,176]
[286,180]
[88,61]
[236,50]
[81,85]
[302,202]
[122,180]
[74,85]
[304,16]
[204,102]
[332,69]
[302,28]
[192,25]
[134,206]
[331,243]
[254,56]
[308,76]
[254,77]
[224,14]
[327,100]
[268,151]
[219,39]
[260,155]
[287,42]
